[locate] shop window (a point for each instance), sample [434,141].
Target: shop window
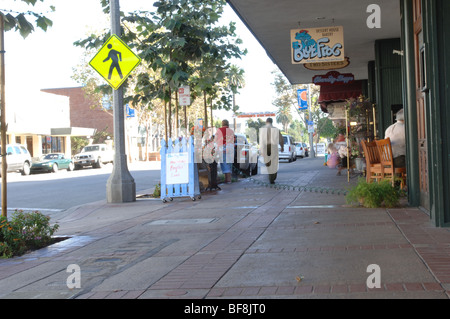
[53,144]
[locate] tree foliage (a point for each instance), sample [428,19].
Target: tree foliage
[20,21]
[179,43]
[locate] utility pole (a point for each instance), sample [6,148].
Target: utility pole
[120,187]
[3,128]
[311,140]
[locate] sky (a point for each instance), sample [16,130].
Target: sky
[46,59]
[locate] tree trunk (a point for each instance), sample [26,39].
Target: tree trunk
[165,122]
[186,120]
[170,113]
[177,133]
[212,118]
[206,109]
[3,119]
[146,141]
[234,112]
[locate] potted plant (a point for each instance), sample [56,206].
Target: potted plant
[373,195]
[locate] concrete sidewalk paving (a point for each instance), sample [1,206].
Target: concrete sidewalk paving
[245,241]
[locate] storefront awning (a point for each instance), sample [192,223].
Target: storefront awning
[339,92]
[73,131]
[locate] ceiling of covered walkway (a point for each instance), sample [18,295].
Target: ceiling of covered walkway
[271,22]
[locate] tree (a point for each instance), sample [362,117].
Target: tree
[284,101]
[298,131]
[255,125]
[236,81]
[181,42]
[17,21]
[284,116]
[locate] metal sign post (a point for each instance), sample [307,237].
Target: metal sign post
[311,140]
[120,187]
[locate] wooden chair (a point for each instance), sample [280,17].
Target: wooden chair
[373,165]
[388,171]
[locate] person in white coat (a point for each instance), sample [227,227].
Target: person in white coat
[396,133]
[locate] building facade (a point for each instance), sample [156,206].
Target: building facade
[403,46]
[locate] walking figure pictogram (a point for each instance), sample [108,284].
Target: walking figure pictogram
[115,56]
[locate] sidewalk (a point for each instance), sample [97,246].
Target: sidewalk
[245,241]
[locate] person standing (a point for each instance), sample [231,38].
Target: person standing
[270,137]
[396,133]
[225,142]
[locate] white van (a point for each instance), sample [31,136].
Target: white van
[289,149]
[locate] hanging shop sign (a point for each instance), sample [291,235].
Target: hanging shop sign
[333,77]
[318,66]
[317,45]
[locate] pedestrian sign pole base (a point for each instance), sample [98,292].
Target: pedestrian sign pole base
[121,191]
[120,187]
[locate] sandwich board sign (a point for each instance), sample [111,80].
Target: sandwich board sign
[115,61]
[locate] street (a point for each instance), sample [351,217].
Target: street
[53,192]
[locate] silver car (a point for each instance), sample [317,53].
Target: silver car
[18,159]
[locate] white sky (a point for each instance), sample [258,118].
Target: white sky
[46,59]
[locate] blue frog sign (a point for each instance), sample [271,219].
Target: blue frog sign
[317,45]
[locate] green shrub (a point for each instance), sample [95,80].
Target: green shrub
[24,232]
[157,191]
[373,195]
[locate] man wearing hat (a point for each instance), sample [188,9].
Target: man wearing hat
[270,137]
[396,133]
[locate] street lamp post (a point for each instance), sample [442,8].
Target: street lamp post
[311,139]
[120,187]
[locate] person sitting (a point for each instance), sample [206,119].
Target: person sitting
[333,157]
[396,133]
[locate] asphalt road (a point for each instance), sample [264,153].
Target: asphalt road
[56,192]
[52,192]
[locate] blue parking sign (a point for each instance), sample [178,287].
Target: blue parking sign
[130,112]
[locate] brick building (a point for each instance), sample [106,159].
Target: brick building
[82,114]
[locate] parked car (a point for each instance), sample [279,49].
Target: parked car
[53,163]
[245,155]
[299,150]
[18,159]
[95,155]
[289,149]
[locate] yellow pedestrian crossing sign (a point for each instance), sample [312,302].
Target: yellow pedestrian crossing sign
[115,61]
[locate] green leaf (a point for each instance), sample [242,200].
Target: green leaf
[43,23]
[25,27]
[10,22]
